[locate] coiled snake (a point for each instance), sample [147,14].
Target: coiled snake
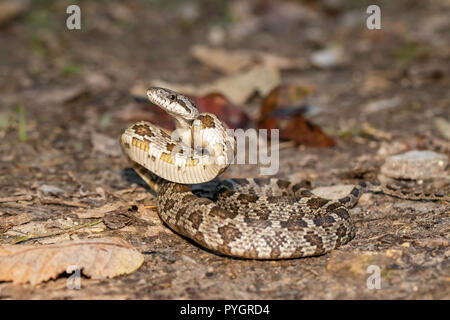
[247,218]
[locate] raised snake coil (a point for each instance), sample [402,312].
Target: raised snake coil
[247,218]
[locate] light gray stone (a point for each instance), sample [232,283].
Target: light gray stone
[333,192]
[415,165]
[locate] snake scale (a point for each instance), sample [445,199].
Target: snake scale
[251,218]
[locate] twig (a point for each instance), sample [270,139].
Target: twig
[26,197]
[57,233]
[64,202]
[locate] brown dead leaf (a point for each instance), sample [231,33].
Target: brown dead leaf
[97,258]
[237,87]
[117,219]
[11,221]
[282,109]
[120,218]
[222,60]
[217,104]
[228,61]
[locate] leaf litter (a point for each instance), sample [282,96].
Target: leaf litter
[97,258]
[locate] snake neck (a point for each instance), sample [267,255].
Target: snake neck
[155,182]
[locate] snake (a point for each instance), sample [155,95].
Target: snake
[250,218]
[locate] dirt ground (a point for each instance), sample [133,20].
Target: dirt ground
[65,94]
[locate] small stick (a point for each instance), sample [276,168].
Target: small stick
[26,197]
[57,233]
[64,202]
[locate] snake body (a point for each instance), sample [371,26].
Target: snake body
[247,218]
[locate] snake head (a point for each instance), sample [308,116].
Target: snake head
[172,102]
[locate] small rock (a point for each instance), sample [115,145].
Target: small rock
[391,148]
[216,35]
[334,192]
[328,58]
[384,104]
[51,190]
[189,11]
[105,144]
[415,165]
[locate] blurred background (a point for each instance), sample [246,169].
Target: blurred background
[335,81]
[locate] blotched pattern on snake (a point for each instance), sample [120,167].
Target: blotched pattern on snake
[248,218]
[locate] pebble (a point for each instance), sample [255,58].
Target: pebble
[105,144]
[415,165]
[49,189]
[333,192]
[328,58]
[379,105]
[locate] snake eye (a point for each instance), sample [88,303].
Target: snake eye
[172,97]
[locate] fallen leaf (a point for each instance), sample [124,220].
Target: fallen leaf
[282,109]
[233,61]
[97,258]
[222,60]
[237,87]
[217,104]
[117,219]
[304,132]
[120,218]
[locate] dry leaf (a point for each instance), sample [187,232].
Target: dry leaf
[228,61]
[97,258]
[238,87]
[217,104]
[117,219]
[222,60]
[282,109]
